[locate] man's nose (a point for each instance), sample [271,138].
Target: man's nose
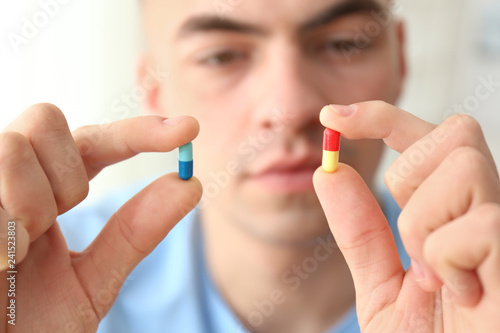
[292,92]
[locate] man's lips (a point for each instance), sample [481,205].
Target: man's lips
[287,177]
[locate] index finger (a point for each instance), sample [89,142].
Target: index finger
[376,120]
[103,145]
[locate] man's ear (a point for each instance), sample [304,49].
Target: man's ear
[401,57]
[146,79]
[401,35]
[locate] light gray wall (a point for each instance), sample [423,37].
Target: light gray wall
[451,45]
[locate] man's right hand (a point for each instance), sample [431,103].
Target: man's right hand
[44,172]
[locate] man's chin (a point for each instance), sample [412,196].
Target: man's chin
[298,218]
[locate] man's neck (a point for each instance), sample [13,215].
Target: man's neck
[277,287]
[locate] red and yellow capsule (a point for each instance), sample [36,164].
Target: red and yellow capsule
[331,146]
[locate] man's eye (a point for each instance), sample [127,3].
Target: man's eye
[223,58]
[342,46]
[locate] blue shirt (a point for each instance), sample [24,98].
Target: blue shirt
[171,290]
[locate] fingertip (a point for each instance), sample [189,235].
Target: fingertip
[13,254]
[427,280]
[188,125]
[194,126]
[189,192]
[190,129]
[318,175]
[325,116]
[338,185]
[192,183]
[321,178]
[343,170]
[196,187]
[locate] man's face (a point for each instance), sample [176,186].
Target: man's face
[256,73]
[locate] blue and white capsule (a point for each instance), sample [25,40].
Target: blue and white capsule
[186,161]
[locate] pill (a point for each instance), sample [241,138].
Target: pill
[331,145]
[186,161]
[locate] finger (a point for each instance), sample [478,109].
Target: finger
[376,120]
[14,242]
[418,161]
[462,182]
[25,191]
[469,263]
[103,145]
[362,234]
[132,233]
[47,130]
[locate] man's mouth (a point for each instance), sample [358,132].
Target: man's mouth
[287,176]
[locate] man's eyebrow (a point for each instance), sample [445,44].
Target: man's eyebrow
[339,10]
[209,23]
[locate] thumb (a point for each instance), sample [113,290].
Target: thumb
[131,234]
[361,232]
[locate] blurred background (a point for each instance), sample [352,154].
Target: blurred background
[83,60]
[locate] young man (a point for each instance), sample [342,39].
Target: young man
[257,255]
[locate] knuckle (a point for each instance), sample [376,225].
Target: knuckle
[85,138]
[465,127]
[464,121]
[394,183]
[82,191]
[15,149]
[470,162]
[71,198]
[46,111]
[396,177]
[432,251]
[405,227]
[38,221]
[465,154]
[380,105]
[49,119]
[490,221]
[50,215]
[37,217]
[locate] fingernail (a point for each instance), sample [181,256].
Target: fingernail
[449,294]
[418,271]
[344,110]
[174,121]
